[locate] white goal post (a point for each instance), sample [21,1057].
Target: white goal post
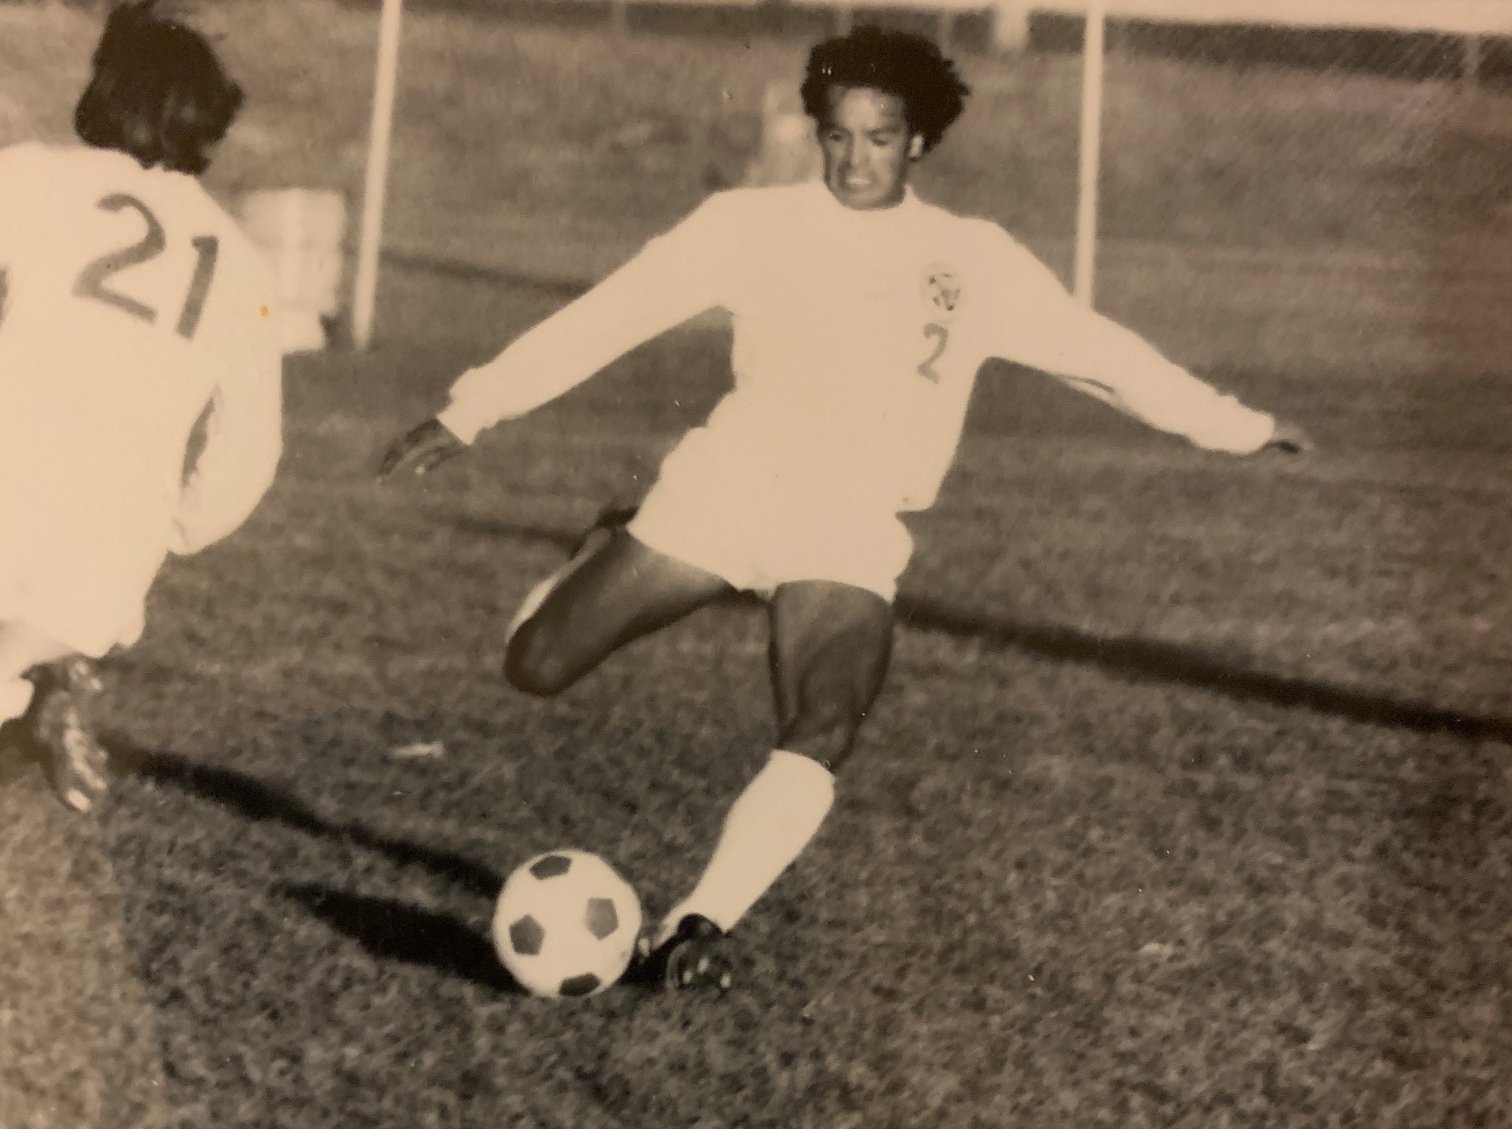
[1452,17]
[375,183]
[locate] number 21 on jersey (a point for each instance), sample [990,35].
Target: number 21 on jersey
[95,280]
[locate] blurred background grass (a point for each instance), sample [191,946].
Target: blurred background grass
[1305,213]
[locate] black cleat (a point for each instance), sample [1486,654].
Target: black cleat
[695,956]
[62,723]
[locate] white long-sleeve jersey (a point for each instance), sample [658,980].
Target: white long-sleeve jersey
[133,301]
[857,338]
[133,305]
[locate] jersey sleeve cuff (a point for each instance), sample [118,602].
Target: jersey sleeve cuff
[1245,438]
[457,422]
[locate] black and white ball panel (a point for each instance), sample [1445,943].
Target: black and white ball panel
[526,936]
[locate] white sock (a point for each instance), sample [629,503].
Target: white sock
[15,696]
[767,828]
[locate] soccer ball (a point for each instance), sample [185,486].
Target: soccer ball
[565,924]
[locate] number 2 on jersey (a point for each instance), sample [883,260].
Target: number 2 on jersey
[941,337]
[93,280]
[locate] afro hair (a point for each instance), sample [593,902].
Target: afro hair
[900,63]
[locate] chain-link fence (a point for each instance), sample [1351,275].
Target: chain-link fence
[1264,135]
[1307,196]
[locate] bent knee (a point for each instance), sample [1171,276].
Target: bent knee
[826,739]
[532,665]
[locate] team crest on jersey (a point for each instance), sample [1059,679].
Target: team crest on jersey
[942,289]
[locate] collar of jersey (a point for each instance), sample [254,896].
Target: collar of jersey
[876,216]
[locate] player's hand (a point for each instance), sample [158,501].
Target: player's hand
[1289,439]
[421,451]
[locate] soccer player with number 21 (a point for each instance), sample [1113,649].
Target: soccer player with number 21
[132,308]
[861,317]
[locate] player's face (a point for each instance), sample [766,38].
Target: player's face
[867,147]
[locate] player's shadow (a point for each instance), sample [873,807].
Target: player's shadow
[1155,661]
[259,802]
[394,931]
[387,929]
[1129,657]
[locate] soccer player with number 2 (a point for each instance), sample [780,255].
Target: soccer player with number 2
[861,316]
[132,308]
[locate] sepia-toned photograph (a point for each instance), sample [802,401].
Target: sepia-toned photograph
[755,564]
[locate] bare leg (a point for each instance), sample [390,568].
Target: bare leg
[830,648]
[616,591]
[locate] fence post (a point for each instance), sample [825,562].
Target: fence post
[1093,58]
[1010,26]
[1471,64]
[366,283]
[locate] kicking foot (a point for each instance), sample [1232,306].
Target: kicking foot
[694,956]
[62,722]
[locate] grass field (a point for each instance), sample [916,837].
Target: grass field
[1189,805]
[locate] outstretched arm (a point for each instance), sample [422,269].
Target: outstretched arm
[674,277]
[1046,328]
